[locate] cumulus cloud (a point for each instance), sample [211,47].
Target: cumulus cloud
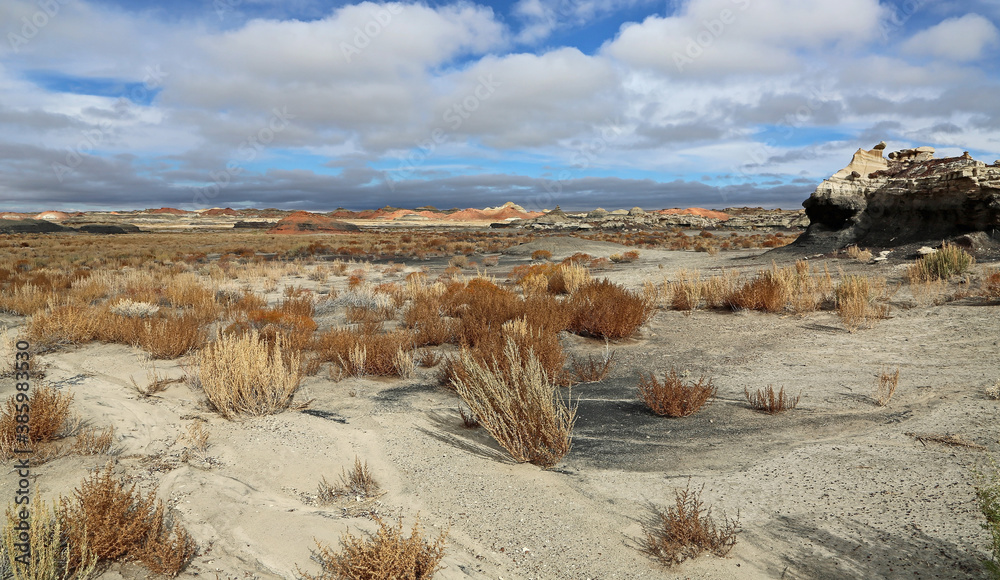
[709,37]
[959,39]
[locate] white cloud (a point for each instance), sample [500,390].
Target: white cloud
[709,37]
[958,39]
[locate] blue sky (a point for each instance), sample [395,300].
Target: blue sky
[308,104]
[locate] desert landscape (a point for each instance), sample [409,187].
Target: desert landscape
[506,394]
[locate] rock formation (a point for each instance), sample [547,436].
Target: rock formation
[909,197]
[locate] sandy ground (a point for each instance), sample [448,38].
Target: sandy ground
[833,489]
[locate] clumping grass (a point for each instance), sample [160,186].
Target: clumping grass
[672,398]
[384,555]
[107,521]
[243,375]
[769,401]
[517,403]
[358,483]
[857,301]
[856,253]
[687,529]
[197,435]
[94,441]
[885,386]
[948,261]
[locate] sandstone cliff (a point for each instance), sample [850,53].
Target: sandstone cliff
[909,197]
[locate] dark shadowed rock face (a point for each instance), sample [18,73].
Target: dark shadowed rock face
[911,197]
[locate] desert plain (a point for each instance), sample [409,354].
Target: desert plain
[837,487]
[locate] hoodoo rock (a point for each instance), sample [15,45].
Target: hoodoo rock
[909,197]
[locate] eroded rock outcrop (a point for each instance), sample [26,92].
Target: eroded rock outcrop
[909,197]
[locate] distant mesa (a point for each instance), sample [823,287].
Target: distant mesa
[697,211]
[908,198]
[303,222]
[169,210]
[14,216]
[220,211]
[53,216]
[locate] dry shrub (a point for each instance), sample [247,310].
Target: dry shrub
[606,310]
[368,352]
[942,264]
[168,337]
[531,343]
[685,294]
[8,351]
[717,289]
[358,483]
[517,403]
[687,530]
[770,402]
[991,283]
[856,301]
[885,386]
[593,369]
[48,547]
[766,291]
[66,324]
[384,555]
[856,253]
[541,255]
[429,359]
[243,375]
[197,435]
[430,327]
[672,398]
[94,441]
[49,415]
[109,522]
[26,299]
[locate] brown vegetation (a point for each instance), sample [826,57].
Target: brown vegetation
[516,401]
[107,521]
[885,386]
[384,555]
[687,530]
[769,401]
[243,375]
[672,398]
[606,310]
